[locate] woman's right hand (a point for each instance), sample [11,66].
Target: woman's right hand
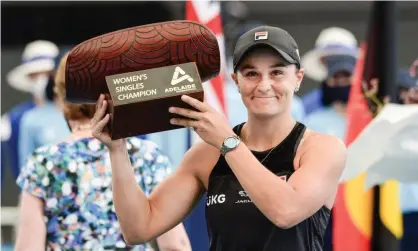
[98,125]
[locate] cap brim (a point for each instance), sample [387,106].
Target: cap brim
[341,67]
[15,76]
[314,68]
[285,56]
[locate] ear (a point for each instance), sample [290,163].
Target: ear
[235,78]
[299,77]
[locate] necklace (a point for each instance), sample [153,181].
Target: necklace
[268,154]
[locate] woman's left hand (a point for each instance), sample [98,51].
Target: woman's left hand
[208,123]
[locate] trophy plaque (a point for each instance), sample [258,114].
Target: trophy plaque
[143,71]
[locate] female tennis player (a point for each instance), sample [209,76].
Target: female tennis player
[270,183]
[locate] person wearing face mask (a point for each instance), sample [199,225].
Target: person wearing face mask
[36,128]
[330,118]
[331,41]
[32,76]
[270,181]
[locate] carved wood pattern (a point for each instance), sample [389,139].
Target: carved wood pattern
[138,48]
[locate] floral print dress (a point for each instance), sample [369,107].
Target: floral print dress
[74,181]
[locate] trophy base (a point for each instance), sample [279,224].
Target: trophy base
[145,117]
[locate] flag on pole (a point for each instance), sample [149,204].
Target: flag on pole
[352,214]
[208,13]
[366,220]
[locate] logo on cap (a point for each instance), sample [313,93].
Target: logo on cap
[261,35]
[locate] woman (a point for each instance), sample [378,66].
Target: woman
[67,203]
[270,183]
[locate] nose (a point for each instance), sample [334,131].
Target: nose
[264,85]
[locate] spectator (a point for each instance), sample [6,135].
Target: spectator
[67,200]
[38,63]
[36,128]
[331,117]
[330,42]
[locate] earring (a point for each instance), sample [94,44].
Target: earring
[239,90]
[297,89]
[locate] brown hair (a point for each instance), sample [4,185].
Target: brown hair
[71,111]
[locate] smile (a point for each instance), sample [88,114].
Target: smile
[263,97]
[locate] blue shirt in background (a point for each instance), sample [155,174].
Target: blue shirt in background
[41,126]
[10,143]
[409,197]
[327,120]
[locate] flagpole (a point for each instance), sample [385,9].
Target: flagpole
[387,63]
[384,56]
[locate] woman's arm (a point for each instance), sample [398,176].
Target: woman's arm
[310,186]
[31,232]
[141,218]
[174,240]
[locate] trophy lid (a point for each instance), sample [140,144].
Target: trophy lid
[139,48]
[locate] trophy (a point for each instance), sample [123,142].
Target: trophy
[142,71]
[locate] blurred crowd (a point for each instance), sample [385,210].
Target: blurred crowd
[31,130]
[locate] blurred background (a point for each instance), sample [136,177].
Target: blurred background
[68,23]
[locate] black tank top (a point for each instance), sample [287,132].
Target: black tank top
[234,223]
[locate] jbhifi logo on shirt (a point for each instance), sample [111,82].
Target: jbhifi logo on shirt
[215,199]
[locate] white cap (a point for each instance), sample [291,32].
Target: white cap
[331,41]
[38,56]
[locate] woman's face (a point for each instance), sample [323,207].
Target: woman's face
[267,83]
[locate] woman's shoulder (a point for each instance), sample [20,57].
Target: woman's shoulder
[48,167]
[78,150]
[317,141]
[313,138]
[49,151]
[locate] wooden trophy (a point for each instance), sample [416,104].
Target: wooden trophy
[143,71]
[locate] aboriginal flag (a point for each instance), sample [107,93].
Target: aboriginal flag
[370,220]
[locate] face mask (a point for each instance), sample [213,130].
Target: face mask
[49,90]
[39,87]
[333,94]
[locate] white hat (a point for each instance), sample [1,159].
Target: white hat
[38,56]
[331,41]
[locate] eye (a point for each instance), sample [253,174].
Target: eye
[251,74]
[277,73]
